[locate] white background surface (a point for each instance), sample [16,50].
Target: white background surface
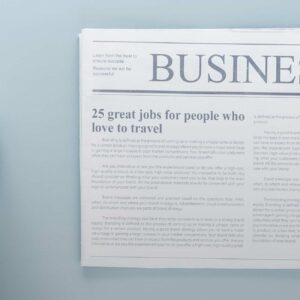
[39,152]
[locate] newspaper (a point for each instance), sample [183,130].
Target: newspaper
[190,148]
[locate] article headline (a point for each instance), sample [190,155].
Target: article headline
[150,115]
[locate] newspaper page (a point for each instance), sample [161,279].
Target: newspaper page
[190,148]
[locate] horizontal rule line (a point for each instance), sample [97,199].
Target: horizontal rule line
[193,92]
[197,257]
[195,43]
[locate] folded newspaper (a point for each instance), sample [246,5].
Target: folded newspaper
[190,148]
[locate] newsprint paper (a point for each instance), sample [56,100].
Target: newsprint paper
[190,148]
